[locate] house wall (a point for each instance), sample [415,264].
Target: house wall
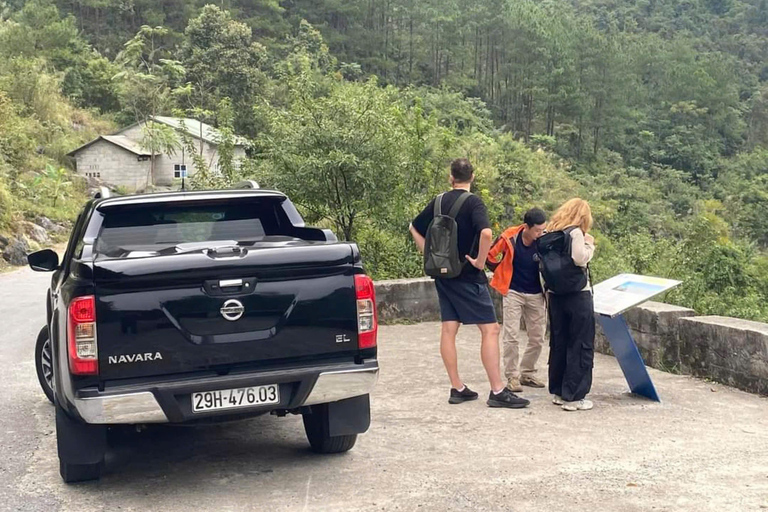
[112,164]
[165,164]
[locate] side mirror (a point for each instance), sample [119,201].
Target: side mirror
[43,261]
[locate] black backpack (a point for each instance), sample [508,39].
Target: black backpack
[561,275]
[441,248]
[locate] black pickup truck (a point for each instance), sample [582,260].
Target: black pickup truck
[191,307]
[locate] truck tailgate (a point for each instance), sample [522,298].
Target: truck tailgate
[193,311]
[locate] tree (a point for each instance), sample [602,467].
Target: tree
[158,139]
[37,31]
[228,171]
[334,155]
[222,61]
[146,83]
[757,132]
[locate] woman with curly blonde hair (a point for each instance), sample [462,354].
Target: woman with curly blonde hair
[571,314]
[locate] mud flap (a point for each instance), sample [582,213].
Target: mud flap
[350,416]
[79,443]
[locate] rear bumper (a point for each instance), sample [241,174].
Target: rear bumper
[337,385]
[170,401]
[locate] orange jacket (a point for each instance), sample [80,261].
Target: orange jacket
[504,246]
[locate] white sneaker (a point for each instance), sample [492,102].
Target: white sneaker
[557,400]
[581,405]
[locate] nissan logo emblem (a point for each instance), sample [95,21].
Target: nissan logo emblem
[232,310]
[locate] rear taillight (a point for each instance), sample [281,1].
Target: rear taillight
[367,319]
[83,351]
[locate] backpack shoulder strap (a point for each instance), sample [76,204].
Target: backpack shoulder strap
[567,240]
[458,204]
[439,205]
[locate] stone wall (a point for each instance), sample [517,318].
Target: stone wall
[413,301]
[656,329]
[670,338]
[727,350]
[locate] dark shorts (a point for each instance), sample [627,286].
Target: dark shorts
[464,301]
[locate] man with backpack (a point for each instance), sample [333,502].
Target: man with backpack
[512,258]
[447,232]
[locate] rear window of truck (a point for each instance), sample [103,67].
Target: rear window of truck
[156,227]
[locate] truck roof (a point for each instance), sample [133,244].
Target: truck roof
[169,197]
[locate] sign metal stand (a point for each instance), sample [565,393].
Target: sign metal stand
[613,297]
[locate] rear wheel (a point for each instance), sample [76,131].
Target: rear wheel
[44,362]
[81,448]
[316,428]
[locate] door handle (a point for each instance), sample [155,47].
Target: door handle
[225,287]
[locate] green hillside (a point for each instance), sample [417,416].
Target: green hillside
[654,110]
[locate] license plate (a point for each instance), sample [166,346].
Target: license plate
[234,398]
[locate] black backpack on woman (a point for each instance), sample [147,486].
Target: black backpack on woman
[561,275]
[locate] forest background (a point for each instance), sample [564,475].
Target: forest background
[656,111]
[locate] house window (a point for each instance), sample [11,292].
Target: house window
[180,171]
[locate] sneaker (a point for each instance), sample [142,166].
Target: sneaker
[506,398]
[531,381]
[514,386]
[458,397]
[581,405]
[557,400]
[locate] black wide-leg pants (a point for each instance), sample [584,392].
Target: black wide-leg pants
[571,345]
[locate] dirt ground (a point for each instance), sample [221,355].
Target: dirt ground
[704,448]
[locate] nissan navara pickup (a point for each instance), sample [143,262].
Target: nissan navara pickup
[192,307]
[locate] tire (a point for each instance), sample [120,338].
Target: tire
[316,428]
[81,448]
[44,363]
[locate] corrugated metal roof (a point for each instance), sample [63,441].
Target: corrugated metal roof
[126,143]
[118,140]
[193,127]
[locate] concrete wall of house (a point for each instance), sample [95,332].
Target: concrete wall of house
[164,167]
[165,164]
[134,132]
[239,156]
[670,338]
[112,164]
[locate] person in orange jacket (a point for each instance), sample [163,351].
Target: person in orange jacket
[516,278]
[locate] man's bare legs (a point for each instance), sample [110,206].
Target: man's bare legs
[448,352]
[489,353]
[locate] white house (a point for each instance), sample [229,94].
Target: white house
[120,159]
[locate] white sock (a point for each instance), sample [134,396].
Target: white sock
[462,389]
[497,392]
